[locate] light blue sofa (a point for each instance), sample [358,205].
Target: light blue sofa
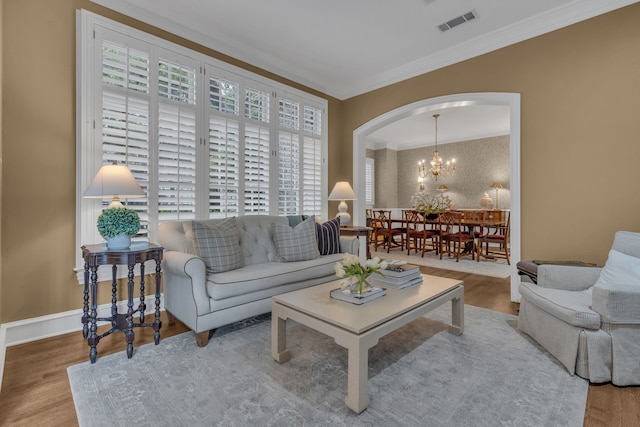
[205,302]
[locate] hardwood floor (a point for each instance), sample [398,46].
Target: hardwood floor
[36,392]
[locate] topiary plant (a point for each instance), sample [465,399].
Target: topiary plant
[114,221]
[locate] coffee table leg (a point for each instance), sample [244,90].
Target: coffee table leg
[357,398]
[279,336]
[457,315]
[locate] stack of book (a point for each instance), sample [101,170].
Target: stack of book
[398,275]
[346,295]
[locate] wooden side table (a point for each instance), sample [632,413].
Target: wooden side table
[359,231]
[97,255]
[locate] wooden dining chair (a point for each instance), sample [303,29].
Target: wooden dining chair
[419,236]
[384,233]
[495,243]
[453,232]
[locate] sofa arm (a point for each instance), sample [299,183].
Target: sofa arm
[349,244]
[568,278]
[184,278]
[616,303]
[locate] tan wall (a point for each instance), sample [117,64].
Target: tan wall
[580,146]
[579,87]
[38,220]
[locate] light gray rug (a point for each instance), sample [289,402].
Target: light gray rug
[420,375]
[493,268]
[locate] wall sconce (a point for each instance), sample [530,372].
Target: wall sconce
[421,183]
[497,187]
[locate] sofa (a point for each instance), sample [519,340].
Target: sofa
[587,317]
[220,271]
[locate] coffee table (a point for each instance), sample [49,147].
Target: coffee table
[359,327]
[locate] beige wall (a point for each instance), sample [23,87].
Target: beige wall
[38,220]
[579,90]
[579,87]
[481,162]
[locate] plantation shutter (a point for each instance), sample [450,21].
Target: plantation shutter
[125,118]
[176,141]
[288,158]
[312,162]
[369,174]
[256,152]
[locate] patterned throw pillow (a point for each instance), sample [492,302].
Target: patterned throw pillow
[295,244]
[328,236]
[218,245]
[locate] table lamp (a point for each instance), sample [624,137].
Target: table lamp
[497,187]
[342,191]
[114,181]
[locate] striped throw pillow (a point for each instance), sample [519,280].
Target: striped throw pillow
[328,236]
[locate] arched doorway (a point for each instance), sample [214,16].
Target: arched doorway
[512,100]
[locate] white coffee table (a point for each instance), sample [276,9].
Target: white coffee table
[359,327]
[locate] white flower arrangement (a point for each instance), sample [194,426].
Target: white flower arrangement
[351,267]
[427,204]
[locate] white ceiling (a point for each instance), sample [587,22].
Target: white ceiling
[347,47]
[454,124]
[344,48]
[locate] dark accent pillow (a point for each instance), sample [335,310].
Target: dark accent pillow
[218,245]
[328,236]
[297,243]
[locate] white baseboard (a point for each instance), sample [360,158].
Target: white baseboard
[37,328]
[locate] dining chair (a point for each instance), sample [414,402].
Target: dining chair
[419,236]
[453,231]
[496,243]
[383,231]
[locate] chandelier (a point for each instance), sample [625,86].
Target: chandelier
[437,168]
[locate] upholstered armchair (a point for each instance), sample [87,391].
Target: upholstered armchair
[589,318]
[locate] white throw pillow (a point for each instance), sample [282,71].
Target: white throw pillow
[621,269]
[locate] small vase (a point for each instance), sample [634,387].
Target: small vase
[118,242]
[359,285]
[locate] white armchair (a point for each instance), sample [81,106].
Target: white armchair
[589,318]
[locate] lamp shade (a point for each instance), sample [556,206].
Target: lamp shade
[342,191]
[442,188]
[496,185]
[114,181]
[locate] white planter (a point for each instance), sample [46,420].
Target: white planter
[119,242]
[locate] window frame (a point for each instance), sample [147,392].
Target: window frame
[89,133]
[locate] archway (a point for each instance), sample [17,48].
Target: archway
[512,100]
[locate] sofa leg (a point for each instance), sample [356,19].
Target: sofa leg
[203,337]
[171,318]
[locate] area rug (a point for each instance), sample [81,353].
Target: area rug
[493,268]
[419,375]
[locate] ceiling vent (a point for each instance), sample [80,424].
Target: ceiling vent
[458,20]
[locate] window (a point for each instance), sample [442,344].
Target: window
[204,139]
[369,176]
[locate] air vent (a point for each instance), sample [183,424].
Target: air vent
[458,20]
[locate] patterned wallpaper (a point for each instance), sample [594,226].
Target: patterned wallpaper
[479,163]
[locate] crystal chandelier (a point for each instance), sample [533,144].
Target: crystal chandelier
[437,168]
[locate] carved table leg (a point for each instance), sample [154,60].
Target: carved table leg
[129,332]
[85,303]
[93,339]
[157,324]
[142,306]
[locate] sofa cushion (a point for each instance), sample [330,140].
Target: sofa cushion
[621,269]
[328,236]
[572,307]
[297,243]
[218,244]
[258,277]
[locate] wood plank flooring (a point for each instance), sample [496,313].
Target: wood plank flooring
[36,392]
